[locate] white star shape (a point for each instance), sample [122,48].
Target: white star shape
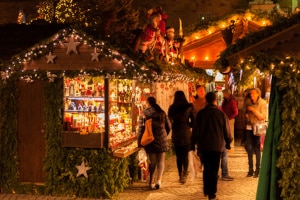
[50,58]
[71,45]
[95,55]
[82,170]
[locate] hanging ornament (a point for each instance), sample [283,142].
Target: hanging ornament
[241,74]
[50,58]
[82,170]
[95,55]
[71,45]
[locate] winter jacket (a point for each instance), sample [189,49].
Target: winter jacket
[182,122]
[230,107]
[211,132]
[260,106]
[160,128]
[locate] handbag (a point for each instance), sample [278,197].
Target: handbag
[260,128]
[147,137]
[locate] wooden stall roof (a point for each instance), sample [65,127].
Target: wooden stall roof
[205,51]
[282,44]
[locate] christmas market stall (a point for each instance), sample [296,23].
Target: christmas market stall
[69,109]
[274,53]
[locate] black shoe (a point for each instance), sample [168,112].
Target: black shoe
[157,186]
[227,178]
[250,174]
[256,173]
[212,197]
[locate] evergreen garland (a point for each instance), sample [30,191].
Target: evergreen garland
[107,177]
[288,82]
[9,173]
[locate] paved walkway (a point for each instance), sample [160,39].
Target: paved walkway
[240,188]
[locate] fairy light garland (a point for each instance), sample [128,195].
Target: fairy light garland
[132,69]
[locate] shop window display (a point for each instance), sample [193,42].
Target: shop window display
[90,101]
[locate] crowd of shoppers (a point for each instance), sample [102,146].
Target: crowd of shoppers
[205,127]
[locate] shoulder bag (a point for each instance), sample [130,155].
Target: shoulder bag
[260,128]
[147,137]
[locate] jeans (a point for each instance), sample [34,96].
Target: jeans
[224,160]
[253,147]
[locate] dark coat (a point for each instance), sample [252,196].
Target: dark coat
[211,131]
[182,120]
[161,127]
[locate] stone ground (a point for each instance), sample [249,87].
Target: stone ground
[240,188]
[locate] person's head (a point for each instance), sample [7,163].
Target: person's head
[170,33]
[151,101]
[155,18]
[254,94]
[211,98]
[179,98]
[226,93]
[200,90]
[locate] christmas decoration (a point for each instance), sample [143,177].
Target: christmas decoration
[72,45]
[50,58]
[21,17]
[95,55]
[51,76]
[82,170]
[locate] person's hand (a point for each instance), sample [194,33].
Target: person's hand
[250,108]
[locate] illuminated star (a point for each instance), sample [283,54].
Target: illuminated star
[50,58]
[95,55]
[71,45]
[82,170]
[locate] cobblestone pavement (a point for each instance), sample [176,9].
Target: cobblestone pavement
[240,188]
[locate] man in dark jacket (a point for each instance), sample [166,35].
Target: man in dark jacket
[211,134]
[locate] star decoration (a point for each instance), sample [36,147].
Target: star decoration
[95,55]
[82,170]
[51,77]
[71,45]
[50,58]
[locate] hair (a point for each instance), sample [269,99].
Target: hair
[199,86]
[180,99]
[153,104]
[227,91]
[257,90]
[210,97]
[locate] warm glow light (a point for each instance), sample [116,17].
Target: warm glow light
[197,37]
[206,58]
[264,23]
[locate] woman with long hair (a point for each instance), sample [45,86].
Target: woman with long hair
[180,114]
[156,150]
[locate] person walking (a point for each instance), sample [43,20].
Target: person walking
[255,111]
[198,105]
[180,114]
[156,150]
[200,101]
[230,108]
[211,133]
